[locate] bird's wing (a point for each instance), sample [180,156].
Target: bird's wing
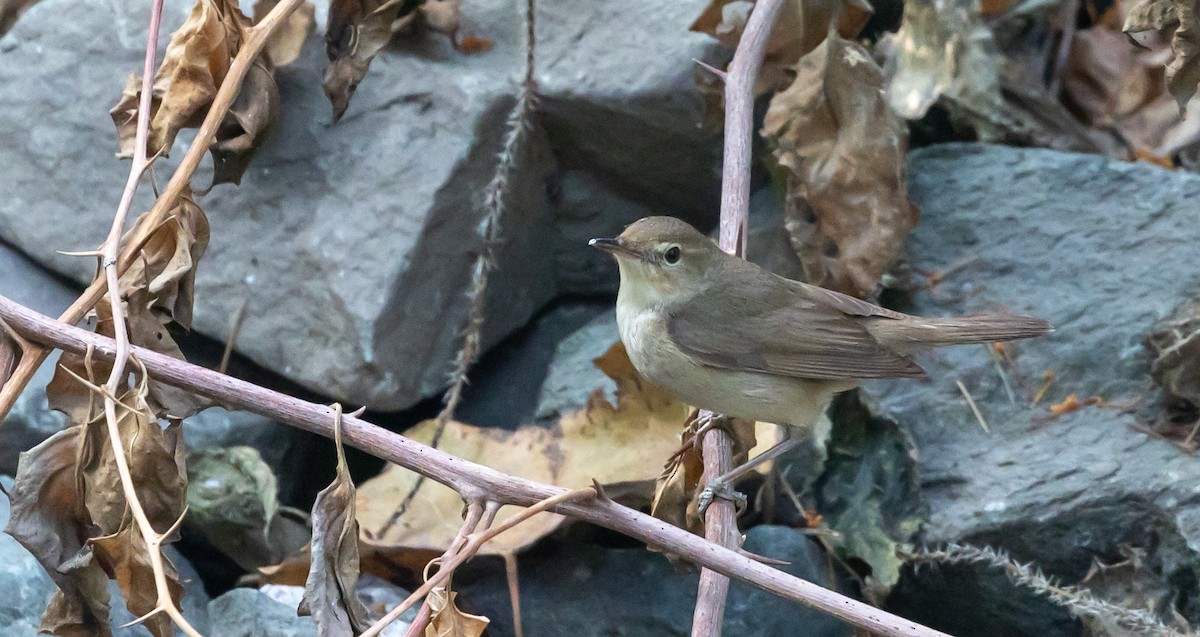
[790,329]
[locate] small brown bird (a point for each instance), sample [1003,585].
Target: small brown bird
[728,336]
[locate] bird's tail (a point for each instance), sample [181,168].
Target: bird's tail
[932,331]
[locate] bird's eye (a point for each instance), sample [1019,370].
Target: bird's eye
[671,256]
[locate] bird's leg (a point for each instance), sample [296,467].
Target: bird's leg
[722,485]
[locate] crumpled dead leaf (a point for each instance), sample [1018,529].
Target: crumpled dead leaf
[845,151]
[941,48]
[1174,344]
[10,355]
[622,446]
[246,126]
[800,27]
[233,502]
[48,518]
[448,621]
[1173,20]
[286,43]
[329,592]
[195,63]
[354,33]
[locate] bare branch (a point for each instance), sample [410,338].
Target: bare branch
[471,480]
[720,520]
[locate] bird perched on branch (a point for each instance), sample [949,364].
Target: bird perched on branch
[728,336]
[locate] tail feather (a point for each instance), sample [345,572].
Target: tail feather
[933,331]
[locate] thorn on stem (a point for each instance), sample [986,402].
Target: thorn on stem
[721,75]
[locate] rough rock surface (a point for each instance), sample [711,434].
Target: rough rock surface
[1103,249]
[583,590]
[354,242]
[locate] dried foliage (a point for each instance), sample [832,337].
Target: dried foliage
[844,151]
[448,620]
[329,592]
[285,44]
[643,424]
[1173,20]
[1175,346]
[357,30]
[941,50]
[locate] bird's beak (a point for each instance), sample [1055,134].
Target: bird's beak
[615,247]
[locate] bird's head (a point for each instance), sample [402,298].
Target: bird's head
[662,259]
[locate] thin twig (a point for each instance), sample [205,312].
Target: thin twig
[256,39]
[1078,601]
[519,125]
[111,250]
[514,591]
[231,338]
[470,480]
[974,408]
[474,542]
[720,521]
[470,523]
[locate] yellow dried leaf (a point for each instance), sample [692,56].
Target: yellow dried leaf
[622,446]
[285,44]
[845,149]
[448,621]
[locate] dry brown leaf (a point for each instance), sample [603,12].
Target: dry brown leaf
[10,355]
[195,64]
[800,27]
[448,621]
[1177,21]
[286,43]
[246,126]
[156,466]
[329,592]
[622,446]
[126,555]
[48,519]
[941,50]
[845,150]
[355,32]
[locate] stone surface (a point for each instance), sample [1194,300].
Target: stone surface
[247,612]
[30,421]
[583,590]
[28,589]
[1104,250]
[354,243]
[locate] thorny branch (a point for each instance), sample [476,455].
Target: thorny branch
[470,523]
[1080,602]
[470,480]
[117,378]
[256,40]
[720,521]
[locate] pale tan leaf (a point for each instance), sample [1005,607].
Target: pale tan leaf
[643,425]
[1177,21]
[448,621]
[845,151]
[285,44]
[329,591]
[940,50]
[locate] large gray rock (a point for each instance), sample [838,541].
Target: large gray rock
[1103,249]
[354,243]
[580,589]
